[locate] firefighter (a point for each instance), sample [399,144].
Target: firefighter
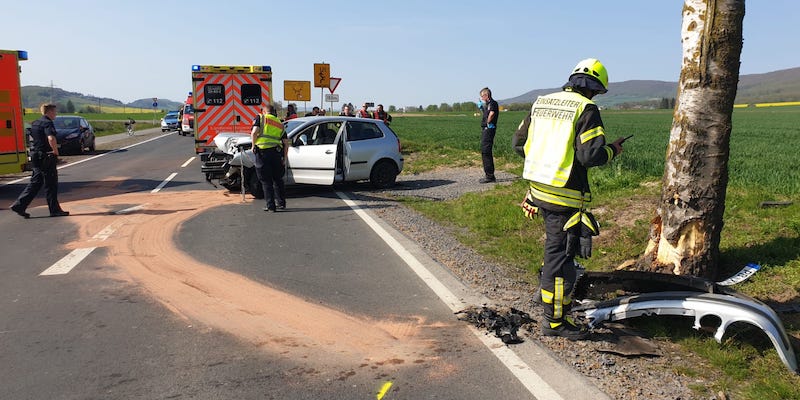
[560,139]
[44,157]
[270,147]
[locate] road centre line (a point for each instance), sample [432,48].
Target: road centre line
[187,162]
[532,381]
[71,260]
[164,183]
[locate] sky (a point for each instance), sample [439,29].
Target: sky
[401,53]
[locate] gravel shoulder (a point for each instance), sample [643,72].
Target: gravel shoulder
[655,376]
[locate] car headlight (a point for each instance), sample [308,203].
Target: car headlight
[72,135]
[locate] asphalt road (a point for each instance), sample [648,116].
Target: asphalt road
[100,332]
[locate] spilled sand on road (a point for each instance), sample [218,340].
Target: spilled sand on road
[142,247]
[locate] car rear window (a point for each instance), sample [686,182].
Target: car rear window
[66,122]
[362,131]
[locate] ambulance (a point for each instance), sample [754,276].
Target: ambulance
[13,143]
[226,99]
[186,117]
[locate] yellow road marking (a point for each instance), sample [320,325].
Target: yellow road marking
[385,388]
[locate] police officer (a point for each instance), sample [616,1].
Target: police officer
[44,156]
[270,147]
[560,139]
[488,130]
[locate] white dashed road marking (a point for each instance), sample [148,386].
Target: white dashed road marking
[66,264]
[162,184]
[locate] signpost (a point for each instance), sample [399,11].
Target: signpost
[155,105]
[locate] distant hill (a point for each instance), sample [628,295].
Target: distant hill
[33,96]
[777,86]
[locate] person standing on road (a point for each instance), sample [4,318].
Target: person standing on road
[44,157]
[346,112]
[560,139]
[291,112]
[488,128]
[270,147]
[381,114]
[363,112]
[314,112]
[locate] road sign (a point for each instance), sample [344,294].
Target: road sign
[297,90]
[331,98]
[334,82]
[322,75]
[155,104]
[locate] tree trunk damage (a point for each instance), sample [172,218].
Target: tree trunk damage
[685,234]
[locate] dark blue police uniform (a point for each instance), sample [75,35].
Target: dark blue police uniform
[487,137]
[44,170]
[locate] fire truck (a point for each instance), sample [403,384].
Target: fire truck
[13,143]
[226,99]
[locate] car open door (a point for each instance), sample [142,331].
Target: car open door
[311,159]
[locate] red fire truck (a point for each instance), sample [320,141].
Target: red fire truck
[227,99]
[13,144]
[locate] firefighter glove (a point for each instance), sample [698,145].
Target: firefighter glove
[573,242]
[588,227]
[528,209]
[585,250]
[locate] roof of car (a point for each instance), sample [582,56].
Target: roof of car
[335,118]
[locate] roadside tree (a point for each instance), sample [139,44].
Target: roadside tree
[685,234]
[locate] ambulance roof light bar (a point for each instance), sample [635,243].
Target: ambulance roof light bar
[231,68]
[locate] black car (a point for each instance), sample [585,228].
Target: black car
[74,134]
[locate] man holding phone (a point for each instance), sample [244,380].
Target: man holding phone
[561,139]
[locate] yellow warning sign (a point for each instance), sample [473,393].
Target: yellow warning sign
[322,75]
[297,90]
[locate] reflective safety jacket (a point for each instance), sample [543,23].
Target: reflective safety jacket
[271,132]
[563,137]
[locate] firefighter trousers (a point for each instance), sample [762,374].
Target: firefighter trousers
[559,271]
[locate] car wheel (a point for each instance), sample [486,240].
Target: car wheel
[383,175]
[81,147]
[253,184]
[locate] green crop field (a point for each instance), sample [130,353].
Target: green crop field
[763,166]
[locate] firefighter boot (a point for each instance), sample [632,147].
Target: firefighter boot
[566,328]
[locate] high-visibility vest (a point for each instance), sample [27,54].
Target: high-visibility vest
[549,149]
[271,132]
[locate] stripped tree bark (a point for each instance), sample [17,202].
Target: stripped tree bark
[685,233]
